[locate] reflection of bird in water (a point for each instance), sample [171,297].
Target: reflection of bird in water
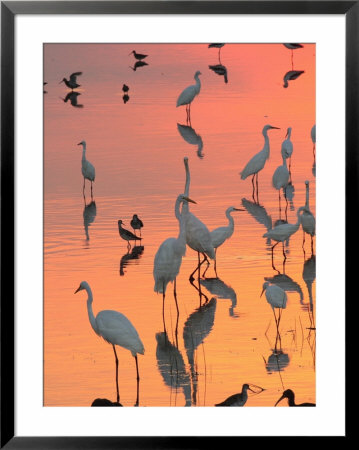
[89,215]
[125,88]
[138,64]
[104,402]
[197,234]
[286,283]
[221,70]
[277,361]
[309,277]
[313,135]
[287,146]
[187,95]
[293,46]
[72,82]
[219,46]
[289,194]
[168,258]
[125,98]
[115,329]
[136,223]
[44,84]
[291,75]
[189,135]
[237,399]
[221,290]
[138,56]
[87,169]
[307,218]
[171,366]
[280,178]
[259,213]
[72,96]
[289,394]
[221,234]
[196,328]
[256,163]
[126,234]
[136,253]
[277,298]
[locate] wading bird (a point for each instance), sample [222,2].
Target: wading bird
[287,147]
[136,223]
[307,218]
[289,394]
[280,177]
[115,329]
[187,96]
[277,298]
[125,88]
[168,258]
[256,163]
[72,82]
[87,169]
[237,399]
[198,236]
[126,234]
[221,234]
[138,56]
[313,135]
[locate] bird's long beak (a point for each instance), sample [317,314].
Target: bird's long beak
[279,400]
[238,209]
[80,143]
[286,134]
[251,390]
[261,293]
[61,81]
[78,289]
[275,128]
[189,200]
[130,54]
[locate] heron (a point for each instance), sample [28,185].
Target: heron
[291,75]
[307,218]
[237,399]
[280,177]
[221,234]
[138,56]
[287,147]
[126,234]
[257,162]
[115,329]
[198,237]
[72,81]
[136,223]
[277,298]
[187,95]
[313,135]
[289,394]
[168,258]
[87,169]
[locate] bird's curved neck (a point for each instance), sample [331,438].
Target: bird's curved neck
[89,309]
[298,217]
[83,151]
[266,143]
[291,401]
[307,196]
[230,220]
[284,161]
[289,132]
[185,207]
[198,82]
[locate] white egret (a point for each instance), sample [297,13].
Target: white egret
[136,223]
[277,298]
[237,399]
[138,56]
[87,169]
[307,218]
[313,135]
[126,234]
[257,162]
[72,81]
[221,234]
[187,95]
[197,234]
[168,258]
[115,329]
[280,177]
[291,75]
[287,146]
[289,394]
[284,231]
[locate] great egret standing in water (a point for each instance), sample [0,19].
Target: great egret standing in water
[187,95]
[256,163]
[307,218]
[115,329]
[87,169]
[168,258]
[277,298]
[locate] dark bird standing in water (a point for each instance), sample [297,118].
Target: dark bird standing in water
[138,56]
[126,234]
[71,83]
[136,223]
[289,394]
[125,88]
[237,399]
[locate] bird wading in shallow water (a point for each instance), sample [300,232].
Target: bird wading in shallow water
[126,234]
[289,394]
[307,219]
[72,81]
[136,223]
[115,329]
[87,169]
[138,56]
[187,95]
[237,399]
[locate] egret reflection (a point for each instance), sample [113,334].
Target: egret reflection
[89,215]
[309,274]
[221,290]
[172,368]
[277,361]
[191,137]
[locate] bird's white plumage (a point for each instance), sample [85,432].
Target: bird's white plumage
[280,177]
[221,234]
[87,169]
[287,145]
[283,231]
[275,295]
[189,93]
[307,218]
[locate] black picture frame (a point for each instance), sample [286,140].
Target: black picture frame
[9,9]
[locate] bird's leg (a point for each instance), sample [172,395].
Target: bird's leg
[138,382]
[303,240]
[253,192]
[314,151]
[208,264]
[257,188]
[118,392]
[175,296]
[312,245]
[83,188]
[191,277]
[163,308]
[280,209]
[273,256]
[292,60]
[91,192]
[215,262]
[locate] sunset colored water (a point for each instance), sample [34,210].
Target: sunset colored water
[137,149]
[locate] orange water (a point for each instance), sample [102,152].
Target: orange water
[138,154]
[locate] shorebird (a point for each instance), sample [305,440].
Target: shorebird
[136,223]
[237,399]
[138,56]
[289,394]
[126,234]
[71,83]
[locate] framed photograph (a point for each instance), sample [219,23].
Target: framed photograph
[172,174]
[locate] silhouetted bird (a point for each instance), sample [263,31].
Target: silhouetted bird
[293,46]
[289,394]
[72,96]
[104,402]
[125,98]
[237,399]
[126,234]
[138,56]
[291,75]
[125,88]
[136,223]
[71,83]
[138,64]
